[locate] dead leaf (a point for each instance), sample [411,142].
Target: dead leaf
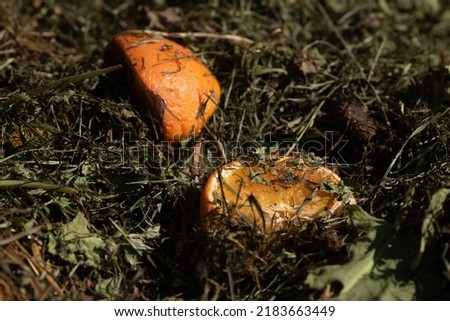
[347,113]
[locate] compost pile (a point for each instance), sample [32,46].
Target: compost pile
[95,205]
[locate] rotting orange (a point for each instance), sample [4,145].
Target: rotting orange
[175,91]
[272,195]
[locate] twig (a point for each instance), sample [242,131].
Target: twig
[445,261]
[6,63]
[39,267]
[229,37]
[19,235]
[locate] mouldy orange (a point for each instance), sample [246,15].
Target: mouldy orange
[175,91]
[273,195]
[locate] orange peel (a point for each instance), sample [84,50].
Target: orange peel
[173,88]
[273,194]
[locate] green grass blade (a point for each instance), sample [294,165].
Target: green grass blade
[12,183]
[71,79]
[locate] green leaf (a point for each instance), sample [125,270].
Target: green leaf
[76,244]
[429,225]
[110,287]
[140,242]
[137,243]
[378,265]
